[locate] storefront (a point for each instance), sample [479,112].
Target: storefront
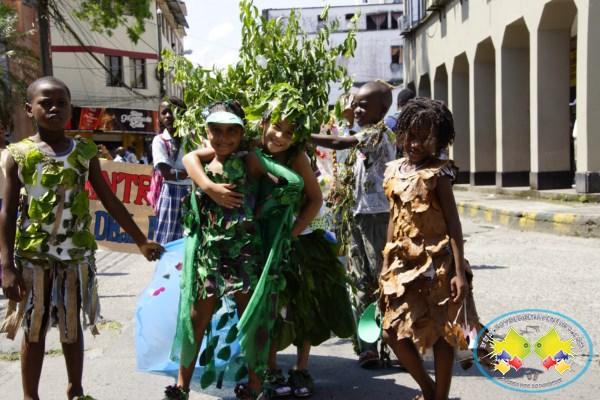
[114,127]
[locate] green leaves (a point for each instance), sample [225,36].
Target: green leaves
[105,16]
[224,353]
[84,239]
[208,377]
[277,59]
[80,205]
[32,159]
[41,209]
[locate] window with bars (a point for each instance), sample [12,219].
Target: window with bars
[114,75]
[396,15]
[377,22]
[396,54]
[138,73]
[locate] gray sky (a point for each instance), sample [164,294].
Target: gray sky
[214,33]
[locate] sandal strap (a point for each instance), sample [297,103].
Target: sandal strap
[174,392]
[243,391]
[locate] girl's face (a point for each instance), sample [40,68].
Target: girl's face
[277,137]
[165,115]
[225,138]
[419,144]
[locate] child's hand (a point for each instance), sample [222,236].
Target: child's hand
[151,250]
[224,196]
[13,284]
[459,287]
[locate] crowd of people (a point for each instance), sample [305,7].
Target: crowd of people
[250,210]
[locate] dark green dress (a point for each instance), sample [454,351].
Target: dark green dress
[316,301]
[223,251]
[276,205]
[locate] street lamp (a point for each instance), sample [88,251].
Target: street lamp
[161,72]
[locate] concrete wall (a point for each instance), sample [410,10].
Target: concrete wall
[372,58]
[87,79]
[518,60]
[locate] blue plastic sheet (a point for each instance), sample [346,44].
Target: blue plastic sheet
[156,319]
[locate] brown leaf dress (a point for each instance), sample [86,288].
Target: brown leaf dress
[414,286]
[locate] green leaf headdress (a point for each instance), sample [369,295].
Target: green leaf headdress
[283,102]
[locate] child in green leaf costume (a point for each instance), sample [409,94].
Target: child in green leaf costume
[284,173]
[222,249]
[48,254]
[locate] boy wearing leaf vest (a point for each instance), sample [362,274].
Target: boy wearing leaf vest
[49,274]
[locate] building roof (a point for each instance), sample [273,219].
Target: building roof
[380,5]
[179,11]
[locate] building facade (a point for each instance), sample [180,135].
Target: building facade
[115,83]
[518,77]
[379,46]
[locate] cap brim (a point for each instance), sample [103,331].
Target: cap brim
[224,117]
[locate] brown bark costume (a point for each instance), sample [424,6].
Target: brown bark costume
[415,297]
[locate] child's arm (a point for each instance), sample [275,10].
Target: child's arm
[312,190]
[12,280]
[334,142]
[161,158]
[390,237]
[221,193]
[444,192]
[115,207]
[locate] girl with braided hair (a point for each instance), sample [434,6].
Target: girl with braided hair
[425,294]
[167,155]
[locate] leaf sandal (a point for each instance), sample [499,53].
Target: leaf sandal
[174,392]
[301,382]
[275,385]
[242,391]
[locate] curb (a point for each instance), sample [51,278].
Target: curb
[529,194]
[555,223]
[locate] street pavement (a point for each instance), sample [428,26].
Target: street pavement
[513,270]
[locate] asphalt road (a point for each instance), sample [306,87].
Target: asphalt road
[513,270]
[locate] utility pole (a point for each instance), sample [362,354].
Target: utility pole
[161,71]
[44,25]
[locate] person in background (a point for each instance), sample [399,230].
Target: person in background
[104,153]
[358,199]
[130,155]
[392,120]
[167,153]
[120,154]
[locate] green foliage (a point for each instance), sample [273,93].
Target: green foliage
[104,16]
[281,68]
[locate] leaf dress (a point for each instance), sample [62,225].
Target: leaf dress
[415,298]
[222,256]
[276,205]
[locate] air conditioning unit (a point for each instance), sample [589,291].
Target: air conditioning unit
[404,23]
[437,5]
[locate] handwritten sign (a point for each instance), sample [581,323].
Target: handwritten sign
[130,182]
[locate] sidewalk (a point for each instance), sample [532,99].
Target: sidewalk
[514,209]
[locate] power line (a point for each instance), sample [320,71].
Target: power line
[60,19]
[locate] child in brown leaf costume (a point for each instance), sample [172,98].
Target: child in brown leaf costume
[425,298]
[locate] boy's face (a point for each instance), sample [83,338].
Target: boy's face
[368,107]
[165,115]
[278,137]
[50,106]
[225,138]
